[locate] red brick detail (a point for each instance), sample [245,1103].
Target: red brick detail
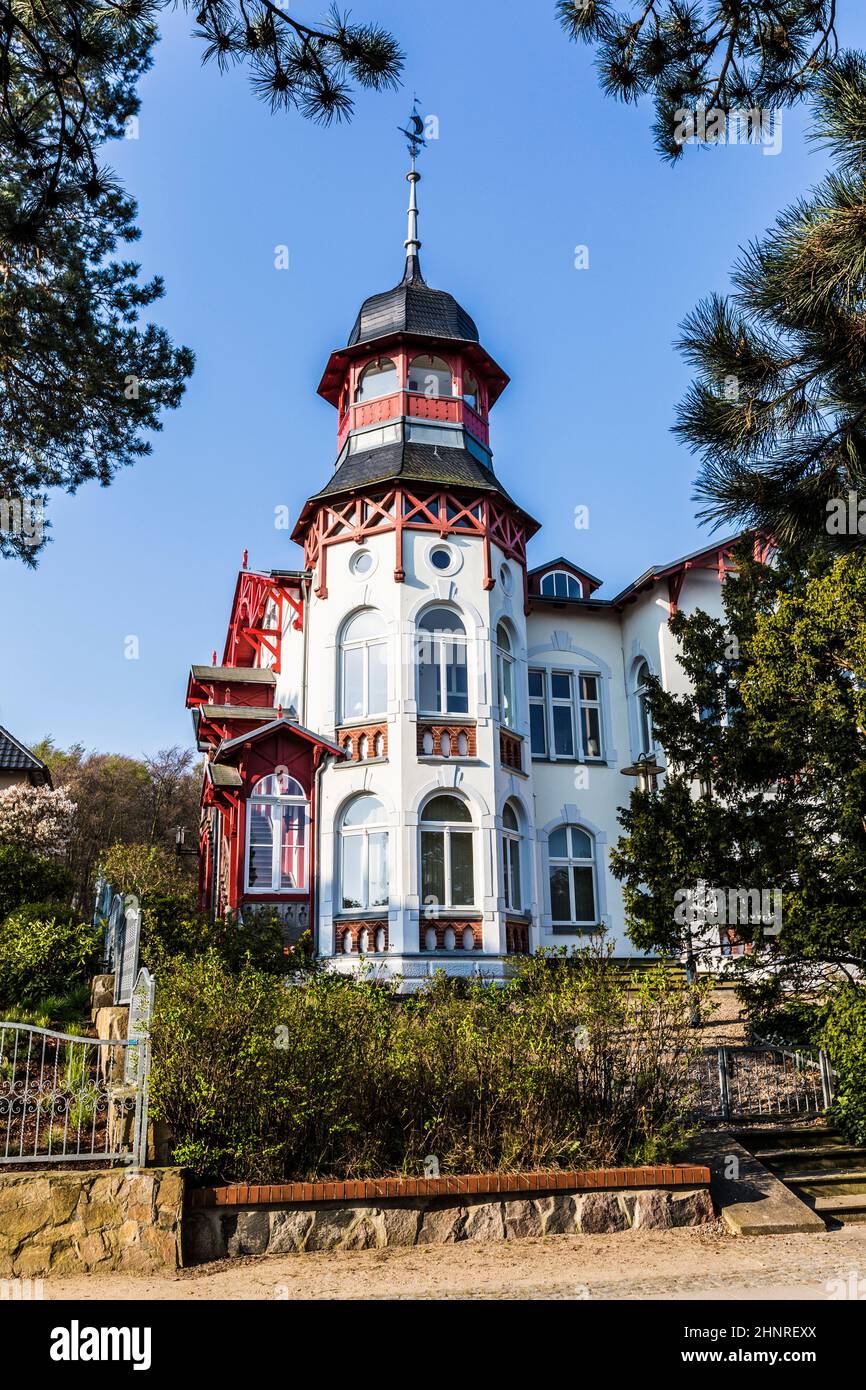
[517,938]
[440,928]
[510,750]
[458,1185]
[457,733]
[375,745]
[353,930]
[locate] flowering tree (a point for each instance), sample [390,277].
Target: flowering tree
[36,818]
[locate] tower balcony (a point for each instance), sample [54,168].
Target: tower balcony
[452,410]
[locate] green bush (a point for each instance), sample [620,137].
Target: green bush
[45,950]
[845,1040]
[26,878]
[171,927]
[567,1064]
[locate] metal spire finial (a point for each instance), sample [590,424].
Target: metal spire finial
[414,132]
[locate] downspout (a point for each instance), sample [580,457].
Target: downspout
[307,584]
[314,906]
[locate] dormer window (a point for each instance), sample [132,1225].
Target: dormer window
[430,376]
[561,584]
[378,378]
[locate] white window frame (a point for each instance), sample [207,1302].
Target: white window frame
[505,662]
[568,863]
[512,844]
[577,704]
[643,718]
[364,644]
[447,827]
[364,832]
[277,840]
[437,643]
[570,579]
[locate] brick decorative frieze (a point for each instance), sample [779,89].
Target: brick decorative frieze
[362,742]
[449,936]
[511,750]
[517,937]
[446,740]
[363,937]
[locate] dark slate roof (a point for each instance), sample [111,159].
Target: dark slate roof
[412,307]
[14,757]
[410,462]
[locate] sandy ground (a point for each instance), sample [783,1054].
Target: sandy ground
[702,1263]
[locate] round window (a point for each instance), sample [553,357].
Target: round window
[440,558]
[361,563]
[506,579]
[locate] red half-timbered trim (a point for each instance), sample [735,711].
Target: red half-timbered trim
[247,636]
[442,510]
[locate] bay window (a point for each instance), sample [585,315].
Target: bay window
[511,859]
[505,677]
[364,667]
[443,681]
[447,853]
[363,873]
[278,814]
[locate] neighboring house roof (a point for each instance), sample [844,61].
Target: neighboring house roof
[674,571]
[412,307]
[14,757]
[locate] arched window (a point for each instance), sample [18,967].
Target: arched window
[363,856]
[430,376]
[561,584]
[571,857]
[447,871]
[471,394]
[646,741]
[443,683]
[363,667]
[378,378]
[511,859]
[505,677]
[278,816]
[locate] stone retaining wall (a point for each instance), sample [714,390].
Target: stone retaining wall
[65,1222]
[218,1232]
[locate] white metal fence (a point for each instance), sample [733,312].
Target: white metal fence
[118,916]
[761,1082]
[68,1098]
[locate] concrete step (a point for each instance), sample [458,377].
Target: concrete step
[786,1137]
[839,1176]
[839,1208]
[837,1152]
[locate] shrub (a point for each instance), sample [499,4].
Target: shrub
[569,1063]
[45,950]
[845,1040]
[26,877]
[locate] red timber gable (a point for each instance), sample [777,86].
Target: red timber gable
[443,511]
[258,616]
[247,738]
[235,769]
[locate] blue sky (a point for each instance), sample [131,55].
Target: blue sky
[531,161]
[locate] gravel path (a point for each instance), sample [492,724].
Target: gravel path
[703,1263]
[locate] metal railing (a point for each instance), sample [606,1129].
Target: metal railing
[761,1082]
[68,1098]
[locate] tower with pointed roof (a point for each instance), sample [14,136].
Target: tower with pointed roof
[414,744]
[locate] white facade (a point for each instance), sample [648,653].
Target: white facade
[586,638]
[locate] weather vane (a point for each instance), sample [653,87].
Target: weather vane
[414,131]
